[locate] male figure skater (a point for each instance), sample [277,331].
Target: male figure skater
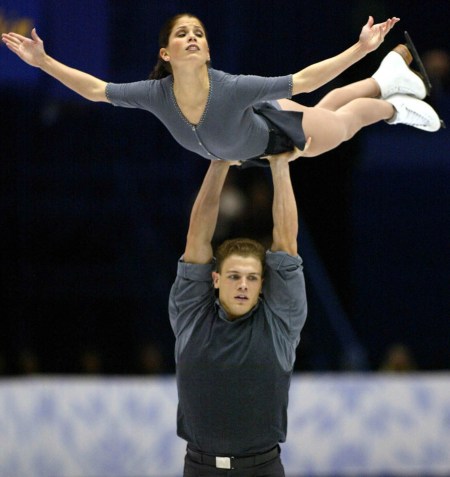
[235,351]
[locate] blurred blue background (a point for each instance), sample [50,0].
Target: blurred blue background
[94,201]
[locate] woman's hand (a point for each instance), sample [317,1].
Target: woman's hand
[372,36]
[31,50]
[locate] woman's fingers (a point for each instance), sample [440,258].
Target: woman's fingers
[17,36]
[11,41]
[11,47]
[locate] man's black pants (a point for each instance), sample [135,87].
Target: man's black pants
[273,468]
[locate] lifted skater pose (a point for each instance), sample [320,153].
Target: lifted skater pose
[237,117]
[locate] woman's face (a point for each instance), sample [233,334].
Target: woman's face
[187,43]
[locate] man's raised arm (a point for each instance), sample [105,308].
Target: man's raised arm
[284,207]
[204,214]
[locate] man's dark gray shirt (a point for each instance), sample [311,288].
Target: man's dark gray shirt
[233,377]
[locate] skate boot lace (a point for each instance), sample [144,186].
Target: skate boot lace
[414,118]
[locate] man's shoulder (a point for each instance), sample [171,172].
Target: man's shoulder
[280,259]
[195,271]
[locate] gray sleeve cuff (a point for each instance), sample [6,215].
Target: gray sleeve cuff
[291,86]
[129,95]
[195,271]
[283,261]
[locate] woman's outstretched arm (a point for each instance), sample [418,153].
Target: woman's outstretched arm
[31,50]
[318,74]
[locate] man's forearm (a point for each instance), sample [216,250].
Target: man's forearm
[284,209]
[206,205]
[205,212]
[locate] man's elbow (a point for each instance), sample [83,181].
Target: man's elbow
[288,246]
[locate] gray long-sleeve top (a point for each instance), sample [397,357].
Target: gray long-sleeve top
[229,128]
[233,377]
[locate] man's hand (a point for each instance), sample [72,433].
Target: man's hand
[372,36]
[289,155]
[31,50]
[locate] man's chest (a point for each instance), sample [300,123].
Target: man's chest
[222,346]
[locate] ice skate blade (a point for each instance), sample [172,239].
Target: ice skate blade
[418,60]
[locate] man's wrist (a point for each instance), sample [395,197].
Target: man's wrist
[279,163]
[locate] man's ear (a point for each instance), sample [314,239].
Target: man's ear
[216,279]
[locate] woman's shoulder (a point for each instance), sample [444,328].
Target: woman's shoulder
[158,87]
[219,76]
[230,81]
[224,77]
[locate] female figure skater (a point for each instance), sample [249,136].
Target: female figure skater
[244,118]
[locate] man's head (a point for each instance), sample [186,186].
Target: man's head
[239,275]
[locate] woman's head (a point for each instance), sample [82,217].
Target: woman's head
[163,67]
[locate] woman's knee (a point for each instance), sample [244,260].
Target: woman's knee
[332,100]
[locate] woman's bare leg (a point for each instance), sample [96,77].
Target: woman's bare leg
[339,97]
[328,128]
[341,113]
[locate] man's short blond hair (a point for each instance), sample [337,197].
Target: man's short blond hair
[243,247]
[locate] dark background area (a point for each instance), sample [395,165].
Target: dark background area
[94,200]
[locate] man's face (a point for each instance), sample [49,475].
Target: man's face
[239,283]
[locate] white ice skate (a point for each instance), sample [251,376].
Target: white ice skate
[413,112]
[395,77]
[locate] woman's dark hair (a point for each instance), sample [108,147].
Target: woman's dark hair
[163,68]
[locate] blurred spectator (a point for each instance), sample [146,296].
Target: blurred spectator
[28,362]
[91,361]
[437,64]
[150,359]
[398,358]
[233,203]
[258,222]
[3,369]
